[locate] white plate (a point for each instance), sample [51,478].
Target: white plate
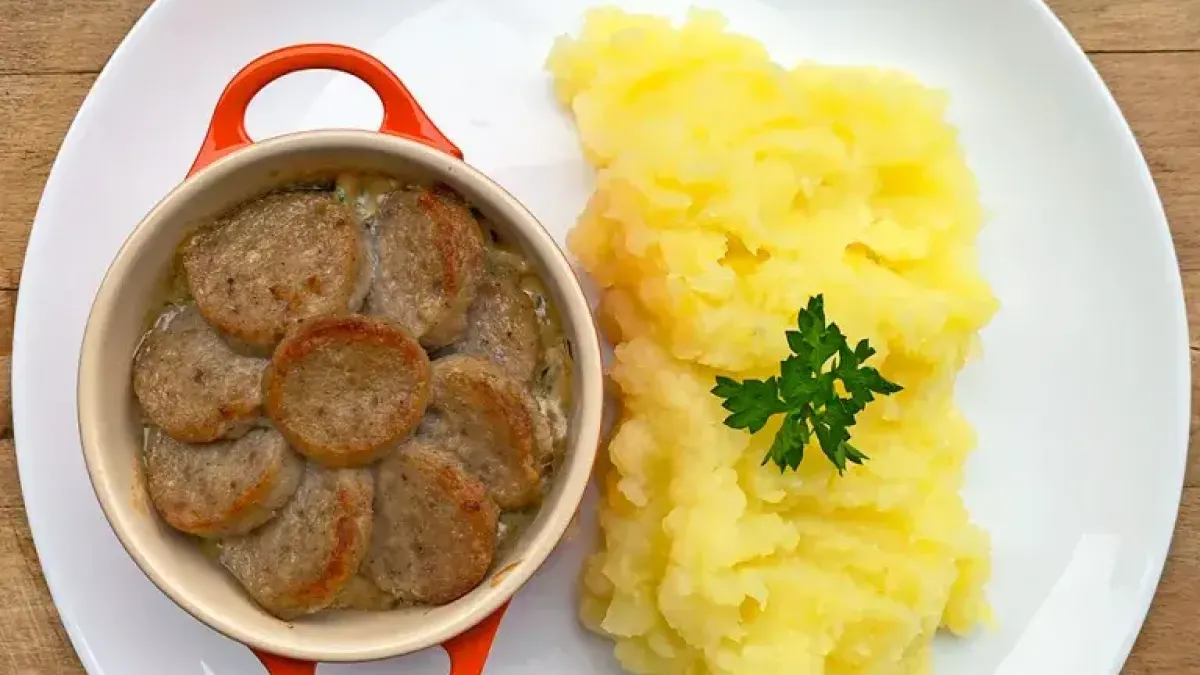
[1081,401]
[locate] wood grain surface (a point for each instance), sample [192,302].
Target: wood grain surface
[1148,51]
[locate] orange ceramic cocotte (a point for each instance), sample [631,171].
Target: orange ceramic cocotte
[229,169]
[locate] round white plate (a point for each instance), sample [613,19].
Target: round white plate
[1081,401]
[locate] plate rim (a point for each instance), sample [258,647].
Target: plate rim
[23,309]
[1179,301]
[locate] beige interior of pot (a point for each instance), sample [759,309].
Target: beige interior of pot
[112,433]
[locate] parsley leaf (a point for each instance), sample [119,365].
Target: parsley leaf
[752,402]
[806,393]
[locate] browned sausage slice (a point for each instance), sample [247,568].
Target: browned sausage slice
[299,562]
[223,488]
[502,323]
[435,529]
[486,418]
[430,258]
[344,390]
[276,260]
[191,384]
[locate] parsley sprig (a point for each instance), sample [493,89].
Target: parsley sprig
[806,393]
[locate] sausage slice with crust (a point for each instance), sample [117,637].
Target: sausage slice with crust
[435,530]
[276,260]
[430,259]
[485,417]
[192,385]
[344,390]
[502,325]
[299,562]
[223,488]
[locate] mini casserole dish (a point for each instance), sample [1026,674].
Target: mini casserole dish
[230,169]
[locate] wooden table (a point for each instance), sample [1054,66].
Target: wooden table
[1147,50]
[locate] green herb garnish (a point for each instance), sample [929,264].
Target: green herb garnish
[805,393]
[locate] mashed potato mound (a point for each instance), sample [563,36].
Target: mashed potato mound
[729,191]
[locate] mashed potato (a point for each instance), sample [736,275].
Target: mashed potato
[729,191]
